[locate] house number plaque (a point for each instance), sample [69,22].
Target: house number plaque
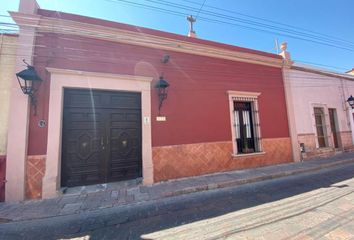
[42,123]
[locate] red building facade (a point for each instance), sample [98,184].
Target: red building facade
[200,133]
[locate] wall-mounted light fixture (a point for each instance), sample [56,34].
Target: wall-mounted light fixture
[350,100]
[161,87]
[165,59]
[27,79]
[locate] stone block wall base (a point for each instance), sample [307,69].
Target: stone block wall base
[320,152]
[309,140]
[345,144]
[35,170]
[171,162]
[349,149]
[346,139]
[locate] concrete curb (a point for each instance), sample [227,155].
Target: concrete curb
[238,182]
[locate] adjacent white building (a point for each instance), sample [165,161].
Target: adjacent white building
[320,117]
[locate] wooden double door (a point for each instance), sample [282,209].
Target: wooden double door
[101,138]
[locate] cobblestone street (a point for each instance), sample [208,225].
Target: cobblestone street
[309,206]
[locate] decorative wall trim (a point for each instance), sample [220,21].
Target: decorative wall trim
[98,74]
[322,72]
[245,96]
[63,26]
[306,134]
[248,155]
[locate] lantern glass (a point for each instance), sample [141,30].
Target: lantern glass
[26,86]
[350,100]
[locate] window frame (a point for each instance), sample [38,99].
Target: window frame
[252,97]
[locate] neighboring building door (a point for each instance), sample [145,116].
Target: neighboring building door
[101,140]
[320,127]
[332,120]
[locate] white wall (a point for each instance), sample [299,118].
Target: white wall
[314,88]
[8,45]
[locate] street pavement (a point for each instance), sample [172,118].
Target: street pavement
[83,199]
[318,205]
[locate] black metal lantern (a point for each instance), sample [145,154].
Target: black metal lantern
[27,79]
[350,100]
[161,87]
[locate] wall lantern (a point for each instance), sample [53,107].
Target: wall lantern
[350,100]
[161,87]
[27,78]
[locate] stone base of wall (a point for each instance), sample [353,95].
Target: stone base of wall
[171,162]
[309,140]
[345,144]
[319,153]
[346,139]
[35,170]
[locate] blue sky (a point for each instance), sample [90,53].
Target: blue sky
[332,18]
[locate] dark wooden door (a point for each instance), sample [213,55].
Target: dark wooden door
[320,127]
[332,120]
[101,139]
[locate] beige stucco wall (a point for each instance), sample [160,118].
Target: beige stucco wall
[309,90]
[8,45]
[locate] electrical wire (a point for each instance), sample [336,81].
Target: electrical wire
[255,23]
[267,20]
[114,1]
[300,37]
[201,7]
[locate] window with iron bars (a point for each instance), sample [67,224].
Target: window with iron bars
[246,127]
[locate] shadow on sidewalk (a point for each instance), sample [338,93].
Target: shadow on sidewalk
[139,219]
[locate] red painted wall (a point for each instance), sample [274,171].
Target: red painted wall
[197,107]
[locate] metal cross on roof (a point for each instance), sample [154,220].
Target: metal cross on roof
[191,20]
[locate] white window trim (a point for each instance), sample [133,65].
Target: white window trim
[246,97]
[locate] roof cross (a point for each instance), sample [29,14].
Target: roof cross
[191,20]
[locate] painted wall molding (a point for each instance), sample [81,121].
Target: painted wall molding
[63,26]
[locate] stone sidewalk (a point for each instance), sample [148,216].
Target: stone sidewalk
[124,194]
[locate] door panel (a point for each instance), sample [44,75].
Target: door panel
[101,137]
[82,150]
[320,127]
[332,120]
[125,144]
